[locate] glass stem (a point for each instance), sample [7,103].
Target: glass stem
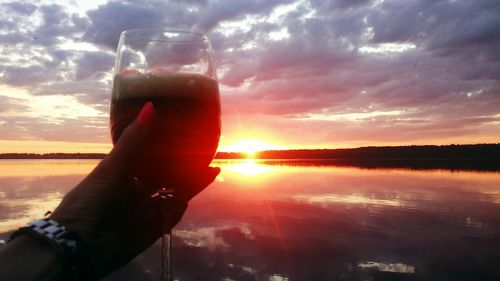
[166,238]
[166,257]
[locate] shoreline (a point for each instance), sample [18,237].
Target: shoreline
[417,152]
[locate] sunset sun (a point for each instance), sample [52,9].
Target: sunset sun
[250,147]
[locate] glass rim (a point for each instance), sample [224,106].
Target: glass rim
[139,33]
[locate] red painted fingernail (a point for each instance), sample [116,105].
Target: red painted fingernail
[146,115]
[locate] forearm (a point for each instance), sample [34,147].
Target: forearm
[28,258]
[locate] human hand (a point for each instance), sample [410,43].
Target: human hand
[112,211]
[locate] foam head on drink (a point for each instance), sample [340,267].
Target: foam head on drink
[186,132]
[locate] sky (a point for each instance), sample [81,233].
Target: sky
[292,74]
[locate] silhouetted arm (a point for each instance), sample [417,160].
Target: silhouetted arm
[111,213]
[28,258]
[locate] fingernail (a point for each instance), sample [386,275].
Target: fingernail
[146,114]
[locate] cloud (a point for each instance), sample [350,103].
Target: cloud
[283,60]
[437,24]
[235,232]
[58,24]
[417,81]
[91,63]
[21,8]
[218,11]
[9,104]
[85,129]
[33,52]
[110,19]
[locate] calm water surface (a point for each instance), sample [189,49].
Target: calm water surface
[308,222]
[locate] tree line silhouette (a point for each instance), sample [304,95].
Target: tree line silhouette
[421,152]
[487,152]
[479,157]
[476,157]
[52,155]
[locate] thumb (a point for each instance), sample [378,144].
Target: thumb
[120,159]
[197,181]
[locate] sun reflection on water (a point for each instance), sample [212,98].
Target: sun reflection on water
[388,267]
[202,237]
[358,199]
[263,218]
[248,167]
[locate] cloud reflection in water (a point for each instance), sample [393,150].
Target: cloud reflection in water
[281,222]
[30,188]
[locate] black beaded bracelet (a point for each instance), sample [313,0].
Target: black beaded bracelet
[67,245]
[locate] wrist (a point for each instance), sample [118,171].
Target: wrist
[28,258]
[64,244]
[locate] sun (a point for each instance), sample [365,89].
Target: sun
[250,147]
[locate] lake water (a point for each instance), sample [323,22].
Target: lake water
[302,222]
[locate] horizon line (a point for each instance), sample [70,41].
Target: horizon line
[293,149]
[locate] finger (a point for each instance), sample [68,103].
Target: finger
[199,180]
[120,160]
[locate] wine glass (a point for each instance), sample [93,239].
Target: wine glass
[174,70]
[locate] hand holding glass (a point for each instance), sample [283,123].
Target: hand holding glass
[174,71]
